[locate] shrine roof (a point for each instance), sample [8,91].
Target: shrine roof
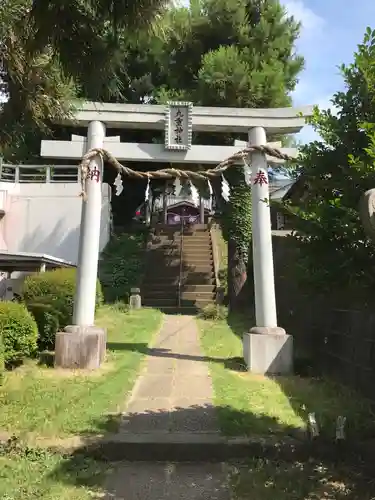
[26,261]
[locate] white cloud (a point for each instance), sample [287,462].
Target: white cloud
[325,104]
[308,134]
[311,22]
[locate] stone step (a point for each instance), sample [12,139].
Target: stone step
[158,254]
[173,281]
[199,303]
[198,288]
[192,279]
[177,242]
[202,267]
[177,232]
[159,294]
[173,302]
[198,296]
[159,246]
[197,237]
[168,260]
[160,302]
[190,297]
[196,248]
[204,447]
[200,241]
[192,310]
[196,260]
[197,251]
[171,288]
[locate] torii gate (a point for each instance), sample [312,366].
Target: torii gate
[270,352]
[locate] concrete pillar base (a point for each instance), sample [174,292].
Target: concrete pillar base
[80,347]
[268,351]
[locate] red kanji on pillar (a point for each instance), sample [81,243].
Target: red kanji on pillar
[260,178]
[93,174]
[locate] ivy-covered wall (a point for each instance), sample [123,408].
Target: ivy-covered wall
[236,224]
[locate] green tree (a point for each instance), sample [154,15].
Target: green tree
[334,250]
[53,51]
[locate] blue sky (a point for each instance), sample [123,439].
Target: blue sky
[331,31]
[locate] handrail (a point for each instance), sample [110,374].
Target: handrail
[39,173]
[180,274]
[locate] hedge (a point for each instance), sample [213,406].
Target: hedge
[19,332]
[49,297]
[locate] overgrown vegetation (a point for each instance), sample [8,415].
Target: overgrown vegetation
[50,297]
[335,253]
[18,332]
[121,265]
[214,312]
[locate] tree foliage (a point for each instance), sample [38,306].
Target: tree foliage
[220,53]
[334,250]
[54,51]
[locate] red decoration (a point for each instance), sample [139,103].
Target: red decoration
[93,174]
[260,178]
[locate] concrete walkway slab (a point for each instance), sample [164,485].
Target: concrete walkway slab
[163,481]
[174,391]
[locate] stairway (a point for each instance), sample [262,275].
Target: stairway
[179,270]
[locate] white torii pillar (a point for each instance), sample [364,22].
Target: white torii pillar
[267,348]
[83,345]
[89,239]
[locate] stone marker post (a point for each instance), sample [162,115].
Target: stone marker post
[267,348]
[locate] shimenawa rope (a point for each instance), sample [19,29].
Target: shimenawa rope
[171,173]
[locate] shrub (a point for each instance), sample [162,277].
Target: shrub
[1,358]
[121,265]
[214,311]
[49,297]
[19,332]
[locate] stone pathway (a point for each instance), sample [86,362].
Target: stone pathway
[172,397]
[158,481]
[173,393]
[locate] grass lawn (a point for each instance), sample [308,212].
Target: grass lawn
[267,480]
[44,402]
[257,405]
[46,476]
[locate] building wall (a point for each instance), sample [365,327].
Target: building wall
[45,218]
